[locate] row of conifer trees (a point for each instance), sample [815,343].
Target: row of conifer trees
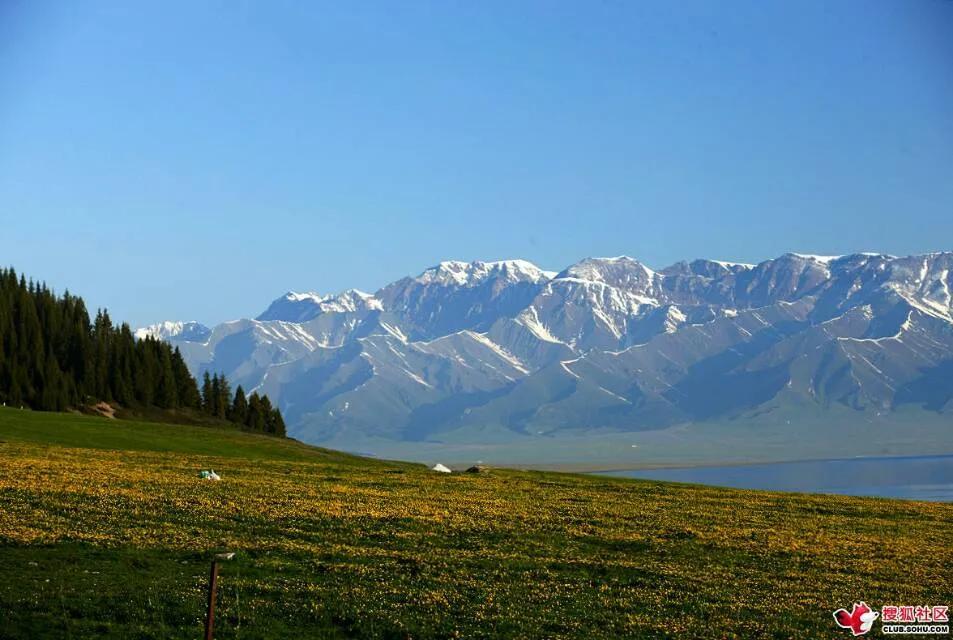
[52,357]
[254,412]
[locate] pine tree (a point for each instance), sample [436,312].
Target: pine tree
[144,373]
[278,424]
[167,397]
[216,398]
[102,330]
[207,394]
[223,401]
[256,419]
[52,397]
[186,390]
[52,356]
[239,412]
[120,378]
[268,418]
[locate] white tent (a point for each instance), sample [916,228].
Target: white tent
[439,467]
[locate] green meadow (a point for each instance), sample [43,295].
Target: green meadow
[107,532]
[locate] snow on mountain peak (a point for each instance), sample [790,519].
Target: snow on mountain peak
[730,265]
[822,259]
[621,272]
[674,318]
[301,307]
[463,335]
[188,331]
[294,296]
[458,273]
[350,300]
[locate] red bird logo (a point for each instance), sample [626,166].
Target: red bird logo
[859,620]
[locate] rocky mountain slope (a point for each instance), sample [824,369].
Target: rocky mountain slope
[469,351]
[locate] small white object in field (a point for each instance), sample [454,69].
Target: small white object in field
[209,475]
[439,467]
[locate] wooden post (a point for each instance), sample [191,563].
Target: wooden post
[210,616]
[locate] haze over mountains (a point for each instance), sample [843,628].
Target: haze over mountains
[482,352]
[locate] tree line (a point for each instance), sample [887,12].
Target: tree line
[254,412]
[52,357]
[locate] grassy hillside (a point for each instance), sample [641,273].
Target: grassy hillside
[105,531]
[94,432]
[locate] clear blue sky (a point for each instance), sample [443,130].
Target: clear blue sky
[194,160]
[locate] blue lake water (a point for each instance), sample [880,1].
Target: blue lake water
[911,478]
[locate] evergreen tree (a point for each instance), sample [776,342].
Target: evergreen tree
[53,394]
[278,424]
[168,392]
[145,372]
[102,330]
[216,399]
[239,412]
[223,401]
[53,357]
[256,419]
[268,419]
[207,393]
[186,390]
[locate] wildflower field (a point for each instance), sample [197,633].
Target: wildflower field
[105,531]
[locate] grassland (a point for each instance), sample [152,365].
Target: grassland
[105,531]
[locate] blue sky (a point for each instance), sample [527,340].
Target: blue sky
[194,160]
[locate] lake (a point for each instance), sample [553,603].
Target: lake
[911,478]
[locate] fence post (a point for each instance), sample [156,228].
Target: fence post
[212,580]
[210,614]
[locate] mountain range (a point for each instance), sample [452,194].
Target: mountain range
[480,352]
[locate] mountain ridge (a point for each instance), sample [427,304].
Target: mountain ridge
[606,343]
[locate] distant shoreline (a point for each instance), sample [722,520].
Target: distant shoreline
[607,470]
[907,477]
[756,464]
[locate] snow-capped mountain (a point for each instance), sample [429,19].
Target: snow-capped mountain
[190,331]
[453,296]
[301,307]
[467,349]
